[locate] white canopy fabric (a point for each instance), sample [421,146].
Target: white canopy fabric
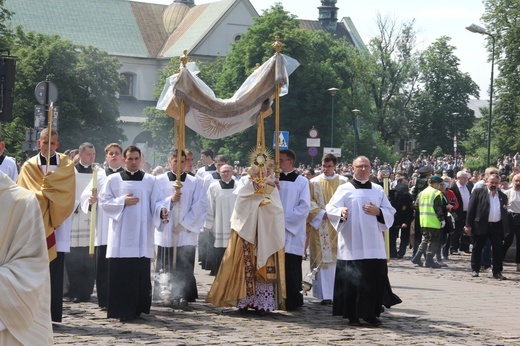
[216,118]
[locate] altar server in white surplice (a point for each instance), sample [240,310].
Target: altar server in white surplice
[25,317]
[206,156]
[296,200]
[360,212]
[187,214]
[209,238]
[221,201]
[135,205]
[7,164]
[113,156]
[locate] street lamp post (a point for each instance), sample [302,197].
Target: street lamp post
[480,30]
[356,113]
[333,92]
[455,114]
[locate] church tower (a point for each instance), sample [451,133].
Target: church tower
[328,14]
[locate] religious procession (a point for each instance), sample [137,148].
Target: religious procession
[134,236]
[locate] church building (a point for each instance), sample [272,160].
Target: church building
[145,36]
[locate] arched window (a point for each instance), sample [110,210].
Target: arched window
[128,88]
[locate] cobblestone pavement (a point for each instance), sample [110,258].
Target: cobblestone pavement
[440,307]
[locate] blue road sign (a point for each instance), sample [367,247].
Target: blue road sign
[283,140]
[312,151]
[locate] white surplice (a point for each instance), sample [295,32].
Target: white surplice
[102,219]
[296,201]
[189,212]
[220,207]
[131,231]
[360,236]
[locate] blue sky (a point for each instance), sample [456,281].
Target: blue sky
[433,19]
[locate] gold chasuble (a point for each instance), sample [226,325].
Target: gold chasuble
[323,242]
[255,249]
[55,192]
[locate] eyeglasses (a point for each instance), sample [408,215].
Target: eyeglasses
[362,167]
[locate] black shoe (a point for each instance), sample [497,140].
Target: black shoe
[455,252]
[399,256]
[183,304]
[432,264]
[355,322]
[242,311]
[75,300]
[499,276]
[127,319]
[261,312]
[373,321]
[417,260]
[326,302]
[474,274]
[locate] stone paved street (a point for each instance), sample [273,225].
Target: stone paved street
[440,307]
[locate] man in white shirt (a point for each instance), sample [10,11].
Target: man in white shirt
[462,190]
[487,219]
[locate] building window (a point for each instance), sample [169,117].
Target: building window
[128,88]
[238,37]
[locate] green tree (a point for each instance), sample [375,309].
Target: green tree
[395,76]
[445,90]
[324,63]
[501,20]
[87,82]
[5,32]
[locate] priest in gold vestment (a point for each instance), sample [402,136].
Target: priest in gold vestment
[54,184]
[323,238]
[251,274]
[25,317]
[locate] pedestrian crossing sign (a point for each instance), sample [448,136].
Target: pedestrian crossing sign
[283,140]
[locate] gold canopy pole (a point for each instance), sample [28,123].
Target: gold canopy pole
[180,139]
[180,130]
[93,213]
[277,45]
[281,287]
[49,136]
[385,172]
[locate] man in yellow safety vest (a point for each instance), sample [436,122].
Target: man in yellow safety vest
[429,205]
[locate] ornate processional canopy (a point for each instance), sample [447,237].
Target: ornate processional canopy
[215,118]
